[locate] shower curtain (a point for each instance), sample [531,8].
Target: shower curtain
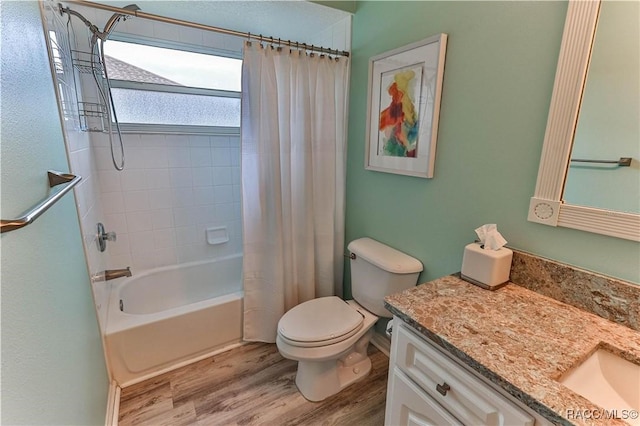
[293,181]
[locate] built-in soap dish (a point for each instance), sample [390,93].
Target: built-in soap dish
[217,235]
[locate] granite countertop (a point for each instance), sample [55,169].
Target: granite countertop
[518,339]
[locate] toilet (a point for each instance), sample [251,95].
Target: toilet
[329,336]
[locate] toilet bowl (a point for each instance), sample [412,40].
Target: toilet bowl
[326,365]
[329,336]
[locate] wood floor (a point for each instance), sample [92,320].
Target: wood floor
[250,385]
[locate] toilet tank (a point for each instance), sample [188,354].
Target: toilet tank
[378,271]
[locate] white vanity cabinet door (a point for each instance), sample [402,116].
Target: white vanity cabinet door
[411,406]
[466,397]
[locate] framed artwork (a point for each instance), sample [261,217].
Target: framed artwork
[405,87]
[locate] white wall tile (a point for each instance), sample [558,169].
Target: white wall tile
[112,202]
[159,199]
[185,216]
[237,193]
[168,194]
[133,179]
[181,177]
[182,197]
[201,156]
[221,157]
[138,221]
[153,141]
[222,175]
[178,157]
[121,261]
[202,176]
[235,156]
[165,257]
[203,195]
[109,181]
[158,178]
[236,176]
[162,219]
[223,194]
[199,141]
[164,238]
[186,235]
[220,141]
[156,158]
[115,222]
[119,247]
[136,201]
[225,211]
[141,242]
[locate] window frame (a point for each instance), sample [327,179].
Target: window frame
[165,88]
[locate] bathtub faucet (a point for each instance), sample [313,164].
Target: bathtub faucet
[111,274]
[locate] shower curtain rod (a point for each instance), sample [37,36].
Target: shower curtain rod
[249,36]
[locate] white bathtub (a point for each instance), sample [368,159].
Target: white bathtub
[167,317]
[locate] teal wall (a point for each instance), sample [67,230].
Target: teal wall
[346,5]
[53,370]
[499,73]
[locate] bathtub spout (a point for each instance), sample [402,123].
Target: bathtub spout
[111,274]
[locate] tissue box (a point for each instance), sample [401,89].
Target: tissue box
[486,268]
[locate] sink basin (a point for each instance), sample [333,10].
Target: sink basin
[608,381]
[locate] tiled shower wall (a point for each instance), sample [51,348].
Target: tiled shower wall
[81,157]
[173,188]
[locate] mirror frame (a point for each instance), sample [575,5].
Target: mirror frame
[546,205]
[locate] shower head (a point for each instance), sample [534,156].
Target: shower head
[113,21]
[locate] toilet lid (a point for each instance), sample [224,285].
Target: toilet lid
[318,320]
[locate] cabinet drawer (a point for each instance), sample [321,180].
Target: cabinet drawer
[472,401]
[410,405]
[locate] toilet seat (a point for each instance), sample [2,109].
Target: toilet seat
[319,322]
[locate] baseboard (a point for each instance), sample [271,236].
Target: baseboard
[113,405]
[381,342]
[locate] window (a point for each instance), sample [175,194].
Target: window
[168,87]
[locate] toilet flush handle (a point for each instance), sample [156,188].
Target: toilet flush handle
[351,256]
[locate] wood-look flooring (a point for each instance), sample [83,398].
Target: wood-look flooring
[250,385]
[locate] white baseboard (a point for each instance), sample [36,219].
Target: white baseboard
[381,342]
[113,405]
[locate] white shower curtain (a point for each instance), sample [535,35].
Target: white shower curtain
[293,182]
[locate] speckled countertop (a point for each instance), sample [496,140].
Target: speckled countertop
[518,339]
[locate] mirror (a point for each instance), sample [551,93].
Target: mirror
[548,205]
[609,120]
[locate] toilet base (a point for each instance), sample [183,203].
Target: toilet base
[317,381]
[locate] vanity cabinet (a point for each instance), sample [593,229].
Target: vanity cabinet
[428,387]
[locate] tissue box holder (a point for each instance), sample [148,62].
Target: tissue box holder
[488,269]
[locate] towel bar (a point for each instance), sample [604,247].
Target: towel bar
[55,179]
[622,162]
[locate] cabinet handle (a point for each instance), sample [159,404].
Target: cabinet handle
[443,388]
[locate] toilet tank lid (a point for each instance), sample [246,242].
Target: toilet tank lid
[384,257]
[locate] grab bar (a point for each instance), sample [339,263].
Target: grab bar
[55,178]
[622,162]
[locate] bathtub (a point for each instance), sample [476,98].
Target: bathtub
[168,317]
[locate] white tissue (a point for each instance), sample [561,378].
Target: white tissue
[489,237]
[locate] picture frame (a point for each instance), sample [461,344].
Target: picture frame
[403,108]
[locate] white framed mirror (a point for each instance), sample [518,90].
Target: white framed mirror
[547,205]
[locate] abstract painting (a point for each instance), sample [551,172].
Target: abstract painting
[405,88]
[398,125]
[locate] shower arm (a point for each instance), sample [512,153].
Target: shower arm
[102,35]
[94,29]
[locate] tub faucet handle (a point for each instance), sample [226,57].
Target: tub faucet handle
[104,236]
